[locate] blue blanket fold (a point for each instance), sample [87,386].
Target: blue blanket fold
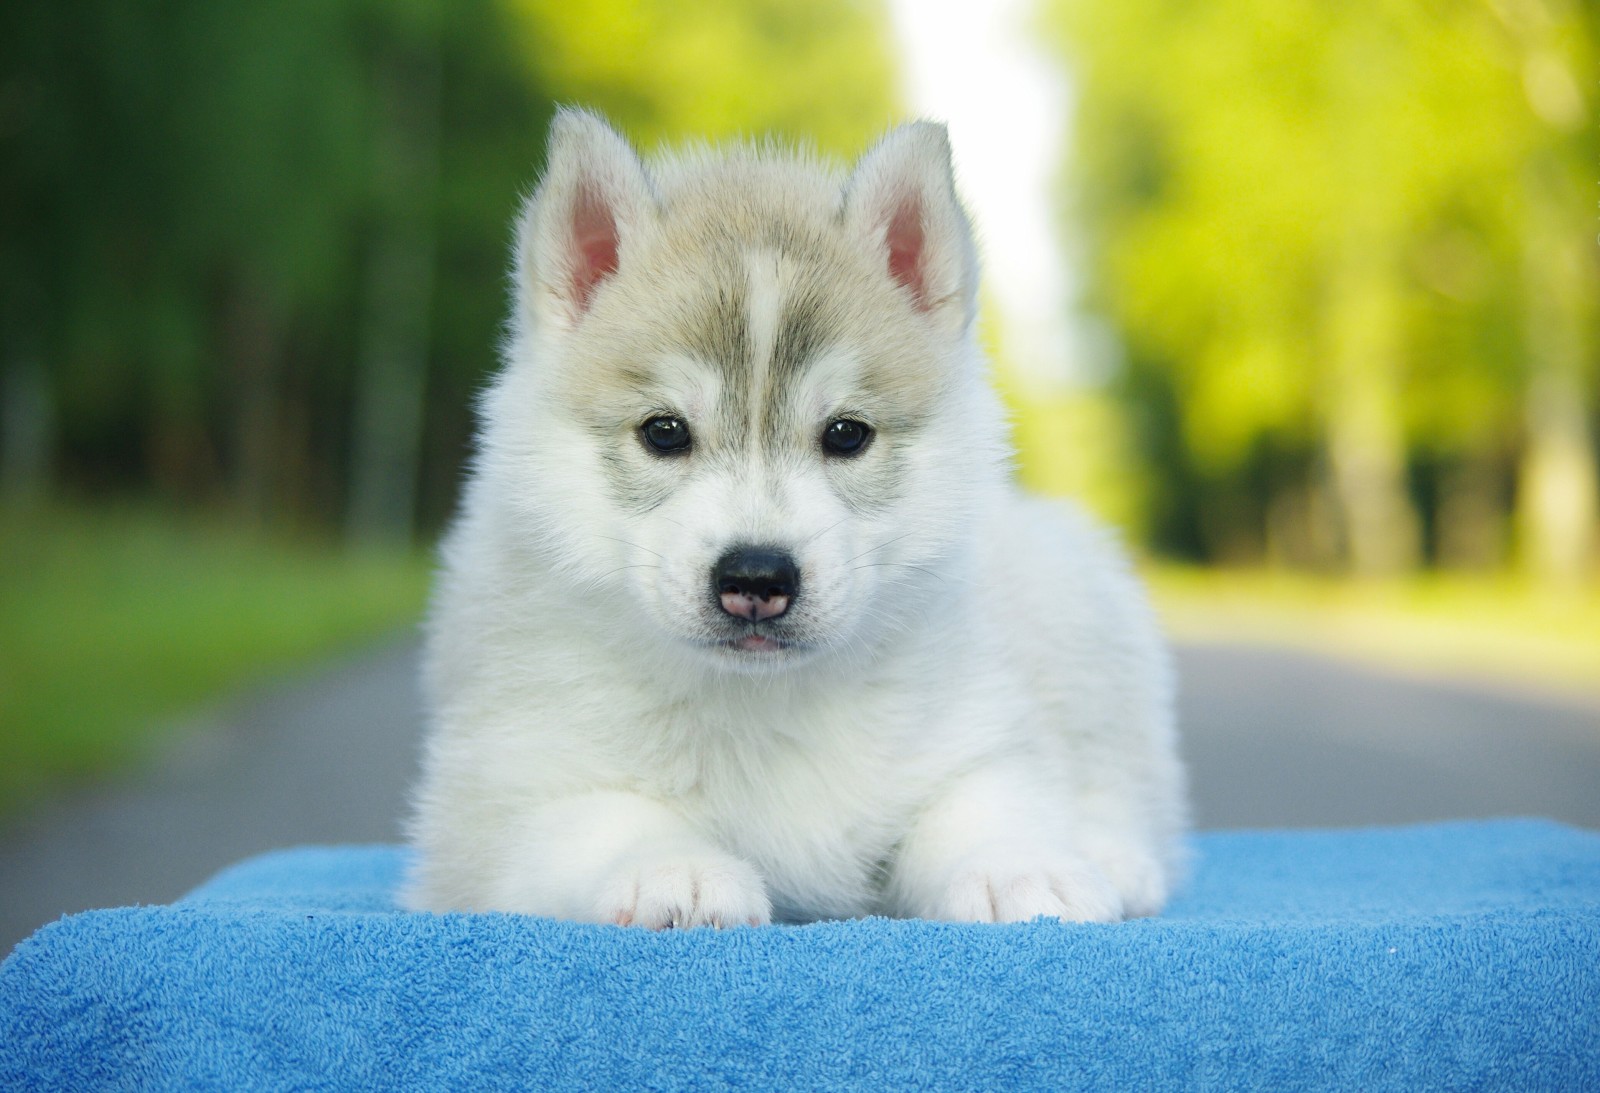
[1442,956]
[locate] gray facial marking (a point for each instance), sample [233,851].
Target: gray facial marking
[725,336]
[717,332]
[800,340]
[873,487]
[761,306]
[800,336]
[634,483]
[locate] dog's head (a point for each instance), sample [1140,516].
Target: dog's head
[742,402]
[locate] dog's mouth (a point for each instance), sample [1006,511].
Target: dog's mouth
[758,642]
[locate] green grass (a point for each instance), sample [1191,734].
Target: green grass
[1496,629]
[114,623]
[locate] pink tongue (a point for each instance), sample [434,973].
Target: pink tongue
[756,641]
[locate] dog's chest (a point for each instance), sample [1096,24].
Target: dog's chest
[817,808]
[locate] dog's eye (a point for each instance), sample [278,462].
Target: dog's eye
[667,435]
[846,437]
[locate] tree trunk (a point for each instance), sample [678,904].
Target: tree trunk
[1558,496]
[27,422]
[1365,431]
[392,367]
[1301,526]
[252,343]
[1471,515]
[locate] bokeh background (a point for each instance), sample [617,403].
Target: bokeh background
[1303,297]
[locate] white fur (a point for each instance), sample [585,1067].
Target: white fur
[974,719]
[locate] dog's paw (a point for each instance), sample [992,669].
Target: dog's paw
[1063,888]
[1141,881]
[706,890]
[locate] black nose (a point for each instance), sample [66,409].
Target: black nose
[755,583]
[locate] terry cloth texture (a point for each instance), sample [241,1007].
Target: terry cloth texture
[1438,957]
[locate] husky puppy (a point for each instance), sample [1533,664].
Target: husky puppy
[742,618]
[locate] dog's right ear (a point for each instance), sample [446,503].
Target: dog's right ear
[901,199]
[575,228]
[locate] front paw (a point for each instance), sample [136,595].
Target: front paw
[998,890]
[701,890]
[1141,880]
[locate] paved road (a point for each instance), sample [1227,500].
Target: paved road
[1273,738]
[1282,739]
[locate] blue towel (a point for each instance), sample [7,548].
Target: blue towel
[1443,956]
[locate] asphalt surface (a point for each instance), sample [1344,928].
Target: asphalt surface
[1273,738]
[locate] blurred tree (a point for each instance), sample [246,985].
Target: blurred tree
[1552,42]
[392,350]
[1308,223]
[266,110]
[256,251]
[820,72]
[210,211]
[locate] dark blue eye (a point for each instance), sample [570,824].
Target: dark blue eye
[667,435]
[846,437]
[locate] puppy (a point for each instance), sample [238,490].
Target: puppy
[742,618]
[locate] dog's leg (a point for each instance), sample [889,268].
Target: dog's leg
[991,848]
[618,857]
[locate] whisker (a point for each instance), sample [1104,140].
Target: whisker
[906,565]
[635,546]
[620,568]
[877,548]
[809,539]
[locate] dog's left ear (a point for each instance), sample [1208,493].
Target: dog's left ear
[576,228]
[901,199]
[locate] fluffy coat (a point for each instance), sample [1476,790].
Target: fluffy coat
[962,708]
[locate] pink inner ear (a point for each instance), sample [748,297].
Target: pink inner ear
[594,245]
[906,251]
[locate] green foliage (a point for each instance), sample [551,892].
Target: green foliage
[1308,222]
[191,198]
[204,206]
[819,72]
[113,622]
